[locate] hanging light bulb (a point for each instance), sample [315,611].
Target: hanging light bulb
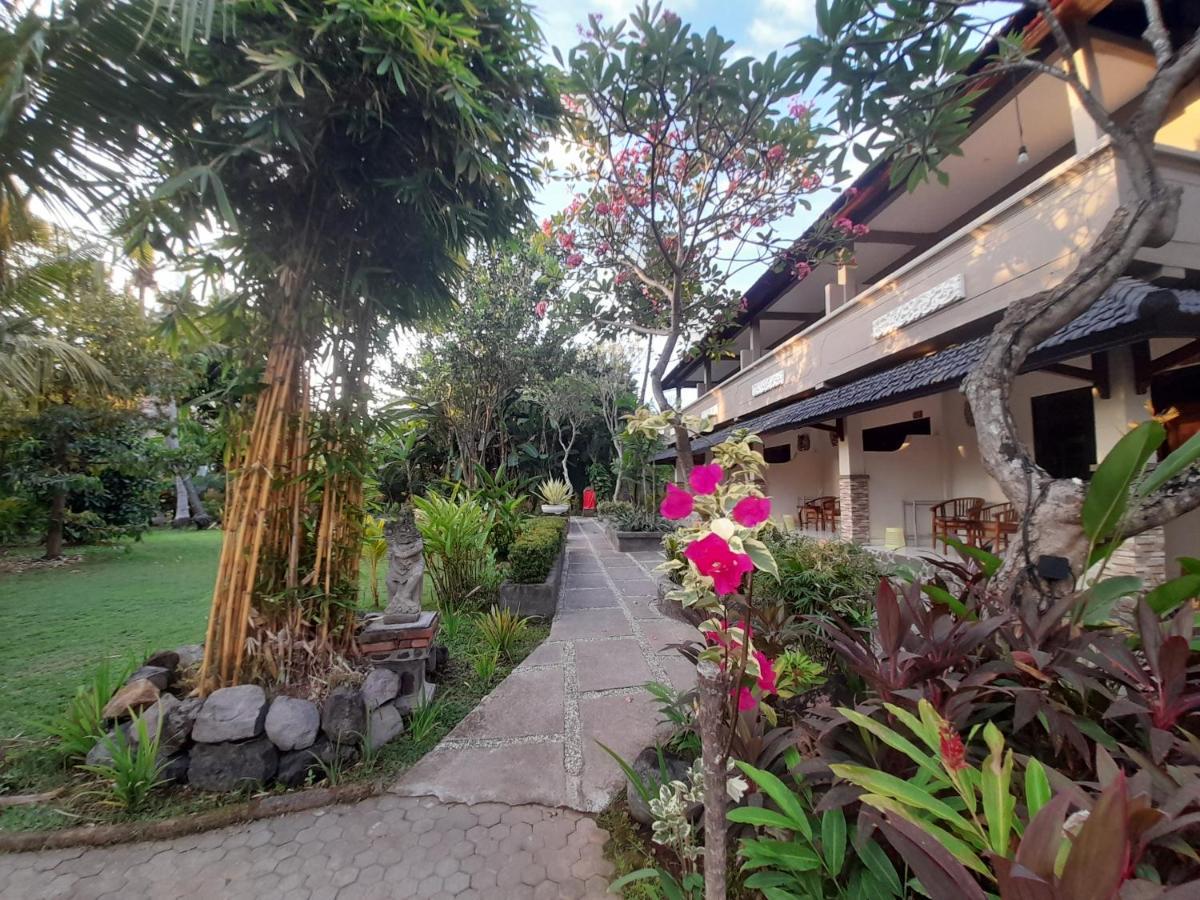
[1022,151]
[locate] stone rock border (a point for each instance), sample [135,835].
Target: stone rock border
[126,832]
[633,541]
[535,599]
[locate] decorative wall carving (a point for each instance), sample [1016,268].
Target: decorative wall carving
[765,384]
[920,306]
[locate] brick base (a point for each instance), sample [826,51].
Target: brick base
[1144,556]
[855,496]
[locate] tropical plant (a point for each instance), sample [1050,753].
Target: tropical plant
[802,854]
[455,532]
[502,630]
[796,672]
[821,579]
[82,724]
[555,492]
[485,664]
[536,548]
[424,720]
[132,773]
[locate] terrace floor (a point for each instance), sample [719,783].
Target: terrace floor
[499,809]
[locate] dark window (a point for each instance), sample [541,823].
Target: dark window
[1179,388]
[1064,433]
[889,438]
[776,455]
[697,459]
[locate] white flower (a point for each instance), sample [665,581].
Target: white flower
[736,788]
[723,528]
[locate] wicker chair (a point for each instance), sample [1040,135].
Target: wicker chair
[957,517]
[998,522]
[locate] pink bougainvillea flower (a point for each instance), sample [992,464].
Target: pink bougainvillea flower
[713,558]
[746,701]
[704,479]
[677,504]
[766,673]
[540,309]
[751,511]
[574,261]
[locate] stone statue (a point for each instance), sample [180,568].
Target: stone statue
[406,569]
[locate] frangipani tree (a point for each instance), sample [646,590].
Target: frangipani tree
[687,160]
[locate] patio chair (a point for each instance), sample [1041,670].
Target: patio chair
[822,513]
[957,517]
[998,522]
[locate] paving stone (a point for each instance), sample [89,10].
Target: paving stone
[601,665]
[591,623]
[493,774]
[587,598]
[620,722]
[548,653]
[586,580]
[528,702]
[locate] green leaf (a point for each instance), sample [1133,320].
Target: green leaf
[833,840]
[666,882]
[897,788]
[765,818]
[1108,493]
[879,865]
[946,599]
[1101,597]
[1170,595]
[787,801]
[995,781]
[896,741]
[788,854]
[988,562]
[1037,788]
[761,557]
[1177,460]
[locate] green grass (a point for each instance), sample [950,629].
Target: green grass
[119,601]
[124,602]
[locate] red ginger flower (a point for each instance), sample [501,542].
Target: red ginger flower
[713,558]
[704,479]
[677,504]
[954,754]
[751,511]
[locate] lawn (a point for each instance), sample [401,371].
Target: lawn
[119,601]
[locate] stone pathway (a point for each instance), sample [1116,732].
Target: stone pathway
[497,810]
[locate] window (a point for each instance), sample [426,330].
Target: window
[776,455]
[889,438]
[1178,388]
[1064,433]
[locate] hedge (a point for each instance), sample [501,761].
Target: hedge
[532,554]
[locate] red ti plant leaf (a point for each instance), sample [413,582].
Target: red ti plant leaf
[1042,838]
[1099,861]
[941,875]
[891,631]
[1019,883]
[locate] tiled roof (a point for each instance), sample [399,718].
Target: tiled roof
[1128,302]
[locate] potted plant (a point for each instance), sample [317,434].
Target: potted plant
[556,496]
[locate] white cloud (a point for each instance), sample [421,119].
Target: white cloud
[776,23]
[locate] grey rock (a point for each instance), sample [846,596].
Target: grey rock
[383,724]
[381,686]
[344,716]
[292,724]
[190,655]
[178,722]
[298,767]
[156,675]
[164,659]
[101,752]
[231,714]
[173,769]
[155,716]
[232,765]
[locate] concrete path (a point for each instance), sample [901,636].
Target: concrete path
[498,810]
[534,739]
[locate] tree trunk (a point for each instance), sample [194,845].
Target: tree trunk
[182,517]
[616,495]
[714,687]
[200,516]
[54,529]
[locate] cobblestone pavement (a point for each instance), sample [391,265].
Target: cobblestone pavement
[498,810]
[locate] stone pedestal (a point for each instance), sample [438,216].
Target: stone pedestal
[405,648]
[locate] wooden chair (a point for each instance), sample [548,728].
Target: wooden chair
[998,522]
[816,511]
[957,517]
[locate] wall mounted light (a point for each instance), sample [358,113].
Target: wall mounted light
[1022,151]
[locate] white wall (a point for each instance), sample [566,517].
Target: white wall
[813,473]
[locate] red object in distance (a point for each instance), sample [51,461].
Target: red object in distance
[589,498]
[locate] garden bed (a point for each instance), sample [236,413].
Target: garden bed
[633,541]
[539,599]
[535,567]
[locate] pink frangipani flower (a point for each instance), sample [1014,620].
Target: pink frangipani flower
[751,511]
[713,558]
[677,504]
[704,479]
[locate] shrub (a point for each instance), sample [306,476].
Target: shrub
[82,723]
[502,630]
[555,492]
[601,479]
[533,553]
[133,772]
[821,578]
[456,532]
[625,516]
